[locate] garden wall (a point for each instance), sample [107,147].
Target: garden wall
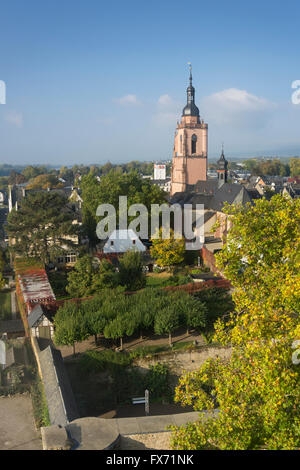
[209,260]
[59,395]
[185,361]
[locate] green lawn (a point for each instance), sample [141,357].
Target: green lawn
[5,305]
[158,281]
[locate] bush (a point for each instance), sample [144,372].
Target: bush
[157,381]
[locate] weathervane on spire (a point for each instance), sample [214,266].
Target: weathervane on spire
[190,67]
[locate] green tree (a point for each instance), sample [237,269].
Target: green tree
[131,273]
[257,391]
[32,171]
[218,303]
[107,191]
[70,325]
[88,278]
[42,226]
[116,329]
[106,276]
[81,278]
[196,314]
[295,166]
[166,321]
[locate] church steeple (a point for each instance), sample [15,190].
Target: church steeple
[190,109]
[190,147]
[222,168]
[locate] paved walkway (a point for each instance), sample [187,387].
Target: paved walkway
[17,429]
[155,340]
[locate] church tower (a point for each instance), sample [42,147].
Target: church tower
[222,169]
[189,163]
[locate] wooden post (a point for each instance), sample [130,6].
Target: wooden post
[147,402]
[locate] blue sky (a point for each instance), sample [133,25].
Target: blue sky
[96,81]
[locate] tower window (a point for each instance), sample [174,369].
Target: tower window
[194,143]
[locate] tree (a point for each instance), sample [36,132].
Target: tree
[116,329]
[42,226]
[107,191]
[218,303]
[44,182]
[257,391]
[166,321]
[70,325]
[131,273]
[106,277]
[87,278]
[81,278]
[295,166]
[16,178]
[169,251]
[32,171]
[96,316]
[196,313]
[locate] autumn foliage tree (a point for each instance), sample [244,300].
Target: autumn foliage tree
[258,390]
[167,251]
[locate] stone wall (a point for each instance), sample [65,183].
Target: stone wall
[185,361]
[59,395]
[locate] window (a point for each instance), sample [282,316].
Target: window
[111,243]
[194,143]
[133,242]
[71,258]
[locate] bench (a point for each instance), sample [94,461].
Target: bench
[138,400]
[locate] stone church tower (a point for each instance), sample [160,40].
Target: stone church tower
[189,163]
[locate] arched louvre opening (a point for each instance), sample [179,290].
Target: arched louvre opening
[194,143]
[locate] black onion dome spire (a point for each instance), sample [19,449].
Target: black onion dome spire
[222,162]
[190,109]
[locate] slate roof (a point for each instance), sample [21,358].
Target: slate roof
[35,316]
[213,196]
[231,193]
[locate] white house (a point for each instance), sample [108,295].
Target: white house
[120,241]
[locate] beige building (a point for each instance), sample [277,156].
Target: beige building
[190,147]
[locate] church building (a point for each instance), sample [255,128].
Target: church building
[189,163]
